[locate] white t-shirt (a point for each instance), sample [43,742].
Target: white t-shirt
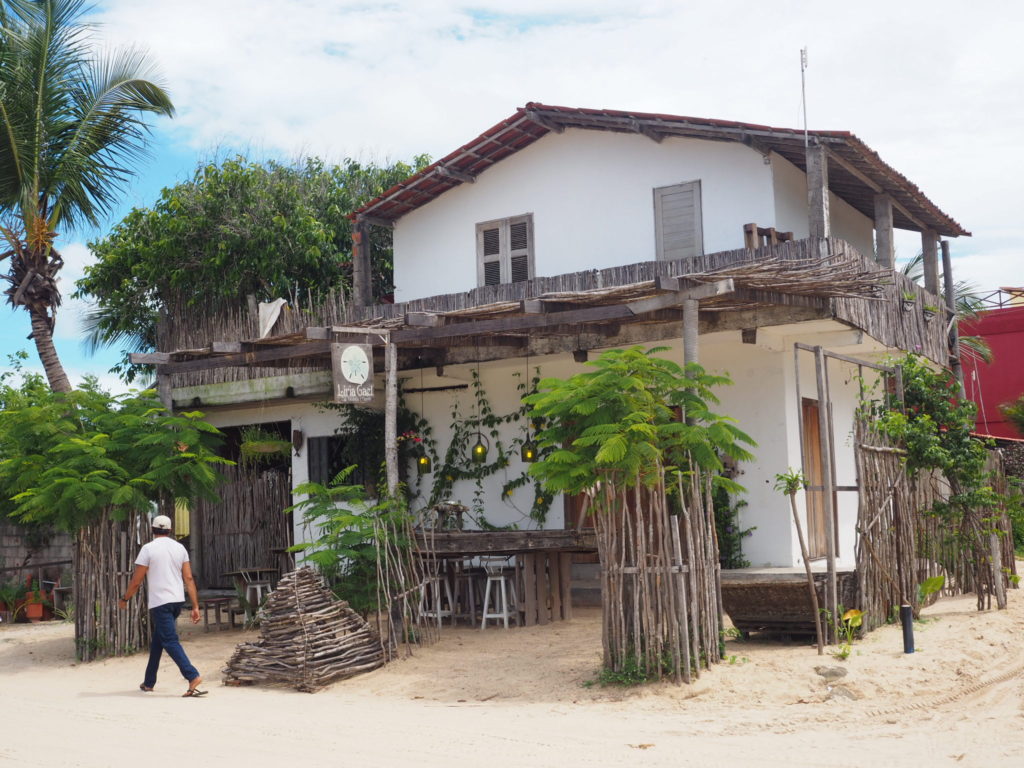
[163,556]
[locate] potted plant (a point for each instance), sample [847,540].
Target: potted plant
[909,299]
[36,602]
[260,445]
[930,311]
[12,594]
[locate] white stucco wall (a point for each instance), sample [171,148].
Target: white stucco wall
[790,190]
[763,400]
[591,196]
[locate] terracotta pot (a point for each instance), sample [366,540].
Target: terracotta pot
[34,611]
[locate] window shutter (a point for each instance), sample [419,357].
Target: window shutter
[677,221]
[519,251]
[492,272]
[520,269]
[505,250]
[489,248]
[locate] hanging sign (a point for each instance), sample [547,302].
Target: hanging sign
[352,372]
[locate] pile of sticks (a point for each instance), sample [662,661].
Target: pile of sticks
[308,639]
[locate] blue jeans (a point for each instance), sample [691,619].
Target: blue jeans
[165,638]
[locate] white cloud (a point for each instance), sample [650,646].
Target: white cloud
[107,381]
[933,86]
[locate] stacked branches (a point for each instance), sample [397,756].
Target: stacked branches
[308,639]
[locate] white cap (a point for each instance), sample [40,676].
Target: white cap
[162,522]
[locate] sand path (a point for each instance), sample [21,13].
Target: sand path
[519,698]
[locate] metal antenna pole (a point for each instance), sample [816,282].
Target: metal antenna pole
[803,91]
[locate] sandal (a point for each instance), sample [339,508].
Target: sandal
[144,688]
[193,693]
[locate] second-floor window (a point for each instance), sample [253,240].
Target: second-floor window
[504,250]
[678,230]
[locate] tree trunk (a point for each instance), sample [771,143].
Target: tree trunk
[43,337]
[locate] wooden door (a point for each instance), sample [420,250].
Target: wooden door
[815,492]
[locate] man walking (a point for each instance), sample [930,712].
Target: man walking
[166,563]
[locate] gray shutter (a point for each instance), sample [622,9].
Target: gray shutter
[519,250]
[677,221]
[488,248]
[505,250]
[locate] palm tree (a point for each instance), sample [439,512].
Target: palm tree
[71,132]
[966,303]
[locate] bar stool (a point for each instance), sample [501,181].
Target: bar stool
[433,590]
[468,590]
[504,585]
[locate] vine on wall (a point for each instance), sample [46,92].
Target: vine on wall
[364,429]
[456,465]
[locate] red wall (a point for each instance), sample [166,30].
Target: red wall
[1002,381]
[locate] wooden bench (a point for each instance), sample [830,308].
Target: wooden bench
[218,604]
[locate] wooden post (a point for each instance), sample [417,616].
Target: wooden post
[930,260]
[954,332]
[530,589]
[885,247]
[817,192]
[163,389]
[540,561]
[555,585]
[691,325]
[391,416]
[565,579]
[362,290]
[831,588]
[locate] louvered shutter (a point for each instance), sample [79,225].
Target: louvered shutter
[677,221]
[489,248]
[519,251]
[505,250]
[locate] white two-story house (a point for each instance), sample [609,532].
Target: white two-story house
[559,232]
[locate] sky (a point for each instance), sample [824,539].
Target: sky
[933,87]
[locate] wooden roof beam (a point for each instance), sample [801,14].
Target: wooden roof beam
[376,221]
[644,128]
[624,311]
[877,188]
[451,173]
[544,122]
[687,291]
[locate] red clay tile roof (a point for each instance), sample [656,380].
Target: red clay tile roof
[856,172]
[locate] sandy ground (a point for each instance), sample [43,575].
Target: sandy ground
[521,698]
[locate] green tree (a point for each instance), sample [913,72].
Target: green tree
[94,465]
[966,303]
[615,433]
[236,228]
[935,426]
[72,128]
[620,422]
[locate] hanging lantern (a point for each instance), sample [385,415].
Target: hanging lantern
[529,452]
[479,451]
[423,465]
